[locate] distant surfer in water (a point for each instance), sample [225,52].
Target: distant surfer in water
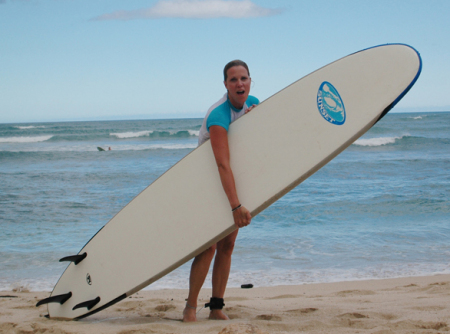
[235,103]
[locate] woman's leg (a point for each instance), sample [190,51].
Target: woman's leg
[199,270]
[221,271]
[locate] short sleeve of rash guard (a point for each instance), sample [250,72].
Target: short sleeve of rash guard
[251,101]
[219,116]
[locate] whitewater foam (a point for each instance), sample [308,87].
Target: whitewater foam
[27,127]
[377,141]
[143,147]
[152,133]
[35,139]
[93,148]
[125,135]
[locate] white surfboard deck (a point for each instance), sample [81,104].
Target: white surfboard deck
[274,148]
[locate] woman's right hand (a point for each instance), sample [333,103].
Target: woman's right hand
[242,217]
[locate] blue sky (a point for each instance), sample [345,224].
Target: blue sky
[116,59]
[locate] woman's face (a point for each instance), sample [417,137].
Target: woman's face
[238,85]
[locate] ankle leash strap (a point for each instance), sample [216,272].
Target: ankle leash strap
[215,303]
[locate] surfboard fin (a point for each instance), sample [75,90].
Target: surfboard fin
[74,258]
[55,299]
[89,304]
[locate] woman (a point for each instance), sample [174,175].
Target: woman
[235,103]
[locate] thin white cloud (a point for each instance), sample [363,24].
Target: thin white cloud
[194,9]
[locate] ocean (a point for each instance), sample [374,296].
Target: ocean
[381,209]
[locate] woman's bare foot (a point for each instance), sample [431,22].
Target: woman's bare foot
[189,314]
[218,315]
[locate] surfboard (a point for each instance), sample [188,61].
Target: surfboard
[100,148]
[275,147]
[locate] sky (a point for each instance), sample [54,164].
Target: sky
[69,60]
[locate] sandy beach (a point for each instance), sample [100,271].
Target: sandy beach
[401,305]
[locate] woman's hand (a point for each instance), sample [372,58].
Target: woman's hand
[242,217]
[250,109]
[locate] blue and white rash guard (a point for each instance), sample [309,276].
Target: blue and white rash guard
[222,113]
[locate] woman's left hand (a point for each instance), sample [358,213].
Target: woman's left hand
[249,109]
[242,217]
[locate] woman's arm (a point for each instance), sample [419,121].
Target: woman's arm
[219,143]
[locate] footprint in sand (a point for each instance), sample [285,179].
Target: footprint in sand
[346,293]
[304,310]
[428,308]
[354,320]
[352,316]
[437,288]
[241,329]
[165,307]
[283,297]
[268,317]
[413,325]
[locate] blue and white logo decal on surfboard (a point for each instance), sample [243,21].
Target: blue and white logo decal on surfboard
[330,104]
